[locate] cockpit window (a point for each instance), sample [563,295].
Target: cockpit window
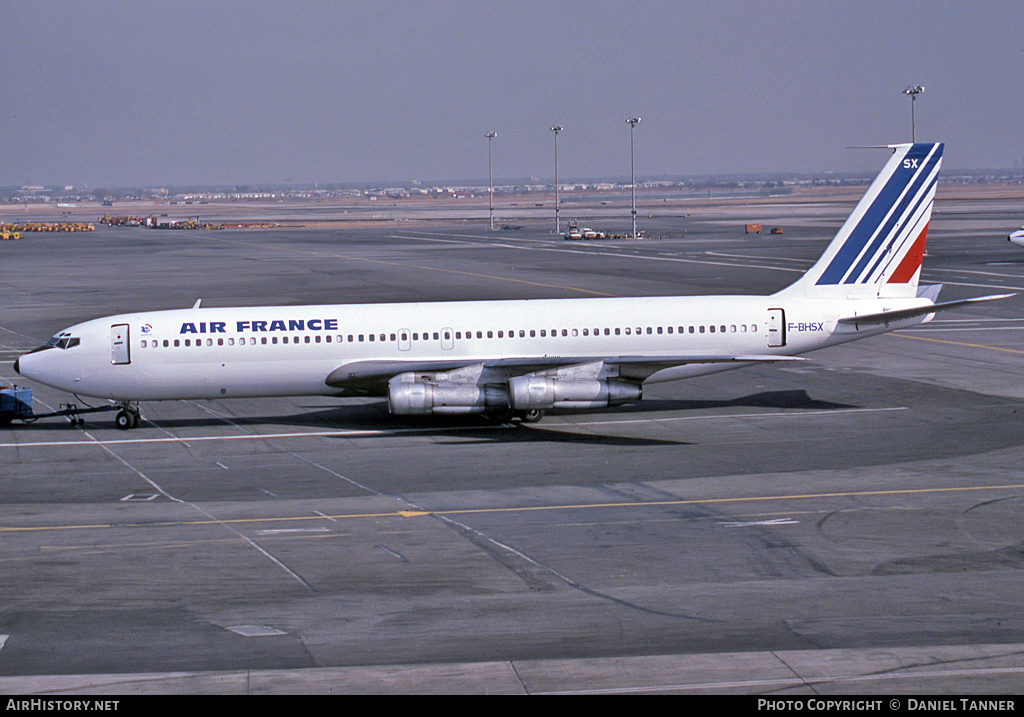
[61,341]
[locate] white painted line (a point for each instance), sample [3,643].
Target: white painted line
[773,521]
[133,498]
[3,639]
[806,414]
[281,531]
[255,630]
[251,436]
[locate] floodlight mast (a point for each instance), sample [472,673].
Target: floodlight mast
[633,122]
[558,227]
[913,91]
[491,186]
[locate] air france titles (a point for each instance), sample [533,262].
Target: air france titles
[241,327]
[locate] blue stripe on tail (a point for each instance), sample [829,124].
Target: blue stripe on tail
[913,170]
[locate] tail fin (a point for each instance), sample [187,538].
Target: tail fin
[878,250]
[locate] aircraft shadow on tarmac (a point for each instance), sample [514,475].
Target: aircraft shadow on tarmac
[373,417]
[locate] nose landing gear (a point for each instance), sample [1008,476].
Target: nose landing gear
[128,416]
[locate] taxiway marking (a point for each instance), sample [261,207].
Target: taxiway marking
[441,512]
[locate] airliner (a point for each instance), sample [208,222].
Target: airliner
[516,358]
[1017,237]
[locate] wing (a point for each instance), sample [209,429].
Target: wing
[373,376]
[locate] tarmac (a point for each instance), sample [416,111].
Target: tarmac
[850,525]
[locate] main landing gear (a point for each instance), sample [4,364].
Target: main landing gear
[531,415]
[505,414]
[128,416]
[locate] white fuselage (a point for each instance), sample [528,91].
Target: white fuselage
[289,351]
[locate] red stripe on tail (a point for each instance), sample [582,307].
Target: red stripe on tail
[911,262]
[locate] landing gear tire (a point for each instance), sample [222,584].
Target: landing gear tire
[500,415]
[530,416]
[126,419]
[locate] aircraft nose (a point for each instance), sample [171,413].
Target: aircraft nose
[16,365]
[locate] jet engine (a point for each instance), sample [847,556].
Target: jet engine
[542,392]
[423,394]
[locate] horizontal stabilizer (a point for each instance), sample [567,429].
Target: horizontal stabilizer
[886,317]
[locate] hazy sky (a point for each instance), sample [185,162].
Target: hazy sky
[114,94]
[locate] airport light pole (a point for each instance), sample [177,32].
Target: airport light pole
[633,122]
[913,91]
[490,184]
[558,228]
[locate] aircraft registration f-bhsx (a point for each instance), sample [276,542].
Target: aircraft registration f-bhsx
[519,357]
